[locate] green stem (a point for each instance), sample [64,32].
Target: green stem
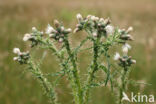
[93,69]
[123,84]
[44,82]
[73,75]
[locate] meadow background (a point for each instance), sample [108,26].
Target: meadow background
[17,17]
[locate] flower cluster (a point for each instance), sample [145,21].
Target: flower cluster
[125,60]
[94,24]
[34,37]
[59,33]
[125,34]
[22,57]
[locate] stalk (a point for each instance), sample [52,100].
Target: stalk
[123,84]
[49,90]
[73,75]
[93,69]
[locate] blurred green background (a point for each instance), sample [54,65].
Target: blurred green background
[17,17]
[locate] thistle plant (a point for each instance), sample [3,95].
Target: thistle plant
[102,35]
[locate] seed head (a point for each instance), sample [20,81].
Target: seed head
[17,51]
[52,35]
[133,61]
[107,21]
[69,30]
[56,23]
[109,29]
[89,16]
[61,40]
[101,20]
[125,48]
[15,58]
[79,17]
[76,30]
[94,34]
[93,18]
[27,37]
[50,29]
[34,29]
[130,29]
[116,56]
[62,28]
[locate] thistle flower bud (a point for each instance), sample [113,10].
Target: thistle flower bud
[27,37]
[89,16]
[96,18]
[126,37]
[50,29]
[17,51]
[133,61]
[130,37]
[34,29]
[15,58]
[109,29]
[79,17]
[56,23]
[116,56]
[101,20]
[95,34]
[93,18]
[52,35]
[125,48]
[61,40]
[62,28]
[69,30]
[107,21]
[76,30]
[130,29]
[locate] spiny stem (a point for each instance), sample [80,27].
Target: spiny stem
[44,81]
[123,84]
[93,69]
[75,82]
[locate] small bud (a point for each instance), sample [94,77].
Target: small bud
[117,56]
[130,37]
[94,34]
[15,58]
[56,23]
[93,18]
[52,35]
[16,51]
[101,20]
[27,37]
[79,17]
[126,37]
[130,29]
[107,21]
[76,30]
[34,29]
[89,16]
[69,30]
[133,61]
[125,48]
[96,18]
[50,29]
[61,40]
[62,28]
